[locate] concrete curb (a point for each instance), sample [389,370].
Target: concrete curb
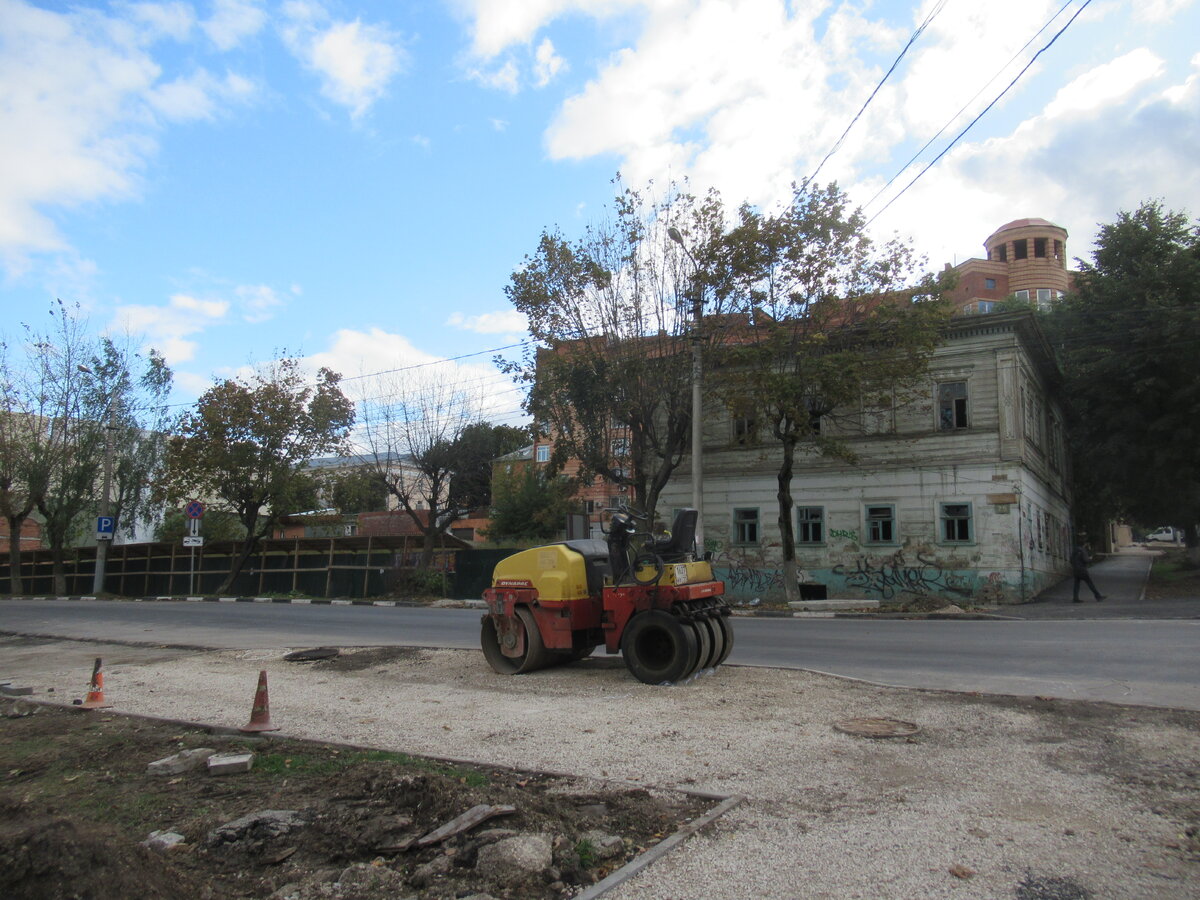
[737,611]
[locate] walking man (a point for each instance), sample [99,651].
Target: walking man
[1079,567]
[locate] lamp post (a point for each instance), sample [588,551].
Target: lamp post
[697,429]
[105,512]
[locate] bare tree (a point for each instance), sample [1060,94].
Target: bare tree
[410,428]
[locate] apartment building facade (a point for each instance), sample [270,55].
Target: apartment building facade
[959,491]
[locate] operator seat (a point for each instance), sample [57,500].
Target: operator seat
[681,541]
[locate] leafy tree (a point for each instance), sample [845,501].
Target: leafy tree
[830,321]
[1126,342]
[216,526]
[356,490]
[474,449]
[529,505]
[74,402]
[610,377]
[244,445]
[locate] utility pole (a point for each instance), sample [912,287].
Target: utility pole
[697,293]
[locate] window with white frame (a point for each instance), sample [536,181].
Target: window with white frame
[810,524]
[881,524]
[745,526]
[543,453]
[956,523]
[952,405]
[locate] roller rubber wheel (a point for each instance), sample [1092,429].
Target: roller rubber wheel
[534,656]
[722,622]
[704,645]
[659,648]
[647,568]
[717,635]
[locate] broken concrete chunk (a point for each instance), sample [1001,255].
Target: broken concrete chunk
[265,824]
[183,761]
[606,845]
[12,691]
[230,764]
[162,841]
[516,857]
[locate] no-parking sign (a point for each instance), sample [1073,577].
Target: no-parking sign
[194,509]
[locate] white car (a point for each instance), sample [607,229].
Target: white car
[1162,534]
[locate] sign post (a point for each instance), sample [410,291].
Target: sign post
[194,511]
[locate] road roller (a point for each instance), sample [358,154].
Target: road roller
[662,611]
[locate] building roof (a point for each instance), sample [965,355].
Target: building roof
[1026,223]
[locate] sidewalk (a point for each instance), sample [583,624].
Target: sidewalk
[1121,578]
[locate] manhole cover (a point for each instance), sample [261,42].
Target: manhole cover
[310,655]
[875,727]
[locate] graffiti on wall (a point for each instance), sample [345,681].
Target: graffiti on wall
[895,575]
[743,577]
[848,535]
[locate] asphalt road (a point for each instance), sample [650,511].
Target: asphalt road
[1155,663]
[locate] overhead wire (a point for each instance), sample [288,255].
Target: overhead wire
[968,104]
[886,75]
[983,112]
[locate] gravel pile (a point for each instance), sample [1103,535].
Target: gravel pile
[993,797]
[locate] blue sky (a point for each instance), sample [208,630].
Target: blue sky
[353,182]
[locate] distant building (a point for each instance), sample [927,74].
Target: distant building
[1026,259]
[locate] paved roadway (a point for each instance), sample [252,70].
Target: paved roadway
[1123,660]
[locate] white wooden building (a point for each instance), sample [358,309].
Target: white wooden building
[960,490]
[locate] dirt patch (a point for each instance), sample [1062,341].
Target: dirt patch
[77,803]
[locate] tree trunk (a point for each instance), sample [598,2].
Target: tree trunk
[787,534]
[248,547]
[59,571]
[1191,540]
[15,584]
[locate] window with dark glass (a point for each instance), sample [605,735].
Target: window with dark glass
[1039,248]
[1020,249]
[745,430]
[952,405]
[989,283]
[745,526]
[1002,253]
[881,524]
[810,524]
[956,523]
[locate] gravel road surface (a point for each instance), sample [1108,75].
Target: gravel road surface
[994,797]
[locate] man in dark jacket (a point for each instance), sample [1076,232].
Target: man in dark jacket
[1079,567]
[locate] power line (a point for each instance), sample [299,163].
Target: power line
[912,40]
[965,106]
[985,110]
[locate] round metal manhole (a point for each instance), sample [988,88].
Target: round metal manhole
[877,727]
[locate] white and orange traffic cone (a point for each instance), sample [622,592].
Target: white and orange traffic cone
[95,697]
[260,715]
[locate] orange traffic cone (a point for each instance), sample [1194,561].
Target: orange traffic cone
[95,697]
[260,715]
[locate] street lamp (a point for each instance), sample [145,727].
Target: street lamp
[103,539]
[697,429]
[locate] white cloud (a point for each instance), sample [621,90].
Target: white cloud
[498,124]
[85,95]
[355,62]
[169,328]
[499,24]
[172,20]
[1108,84]
[506,322]
[199,95]
[548,63]
[506,78]
[233,21]
[257,302]
[1157,11]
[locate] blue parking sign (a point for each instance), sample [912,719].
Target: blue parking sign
[105,525]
